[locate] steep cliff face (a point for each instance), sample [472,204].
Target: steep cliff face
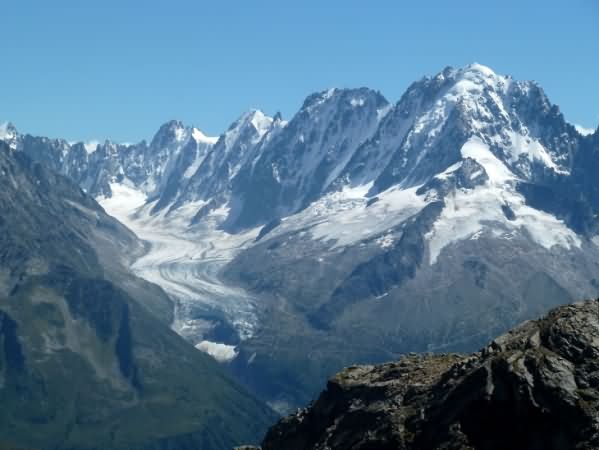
[535,387]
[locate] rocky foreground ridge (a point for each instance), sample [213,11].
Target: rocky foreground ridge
[535,387]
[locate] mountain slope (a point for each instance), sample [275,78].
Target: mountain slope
[83,363]
[535,387]
[467,211]
[360,230]
[299,163]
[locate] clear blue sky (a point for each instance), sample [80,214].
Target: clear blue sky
[119,68]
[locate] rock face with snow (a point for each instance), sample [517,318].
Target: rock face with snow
[156,169]
[87,356]
[470,208]
[534,387]
[298,164]
[237,148]
[434,223]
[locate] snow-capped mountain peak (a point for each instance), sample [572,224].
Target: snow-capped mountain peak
[476,71]
[173,130]
[475,80]
[316,104]
[254,122]
[470,179]
[437,115]
[480,68]
[261,122]
[300,160]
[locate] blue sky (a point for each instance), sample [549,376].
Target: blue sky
[116,68]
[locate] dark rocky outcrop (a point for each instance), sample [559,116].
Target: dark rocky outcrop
[535,387]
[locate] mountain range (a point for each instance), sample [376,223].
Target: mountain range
[87,357]
[358,230]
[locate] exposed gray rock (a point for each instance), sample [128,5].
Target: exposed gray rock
[535,387]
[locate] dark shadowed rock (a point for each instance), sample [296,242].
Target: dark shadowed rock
[535,387]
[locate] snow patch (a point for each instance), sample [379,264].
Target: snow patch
[584,131]
[220,352]
[345,217]
[201,138]
[468,212]
[357,102]
[201,152]
[91,146]
[124,200]
[497,171]
[480,68]
[385,241]
[8,133]
[531,149]
[261,122]
[382,112]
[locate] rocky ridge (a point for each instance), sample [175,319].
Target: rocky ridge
[535,387]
